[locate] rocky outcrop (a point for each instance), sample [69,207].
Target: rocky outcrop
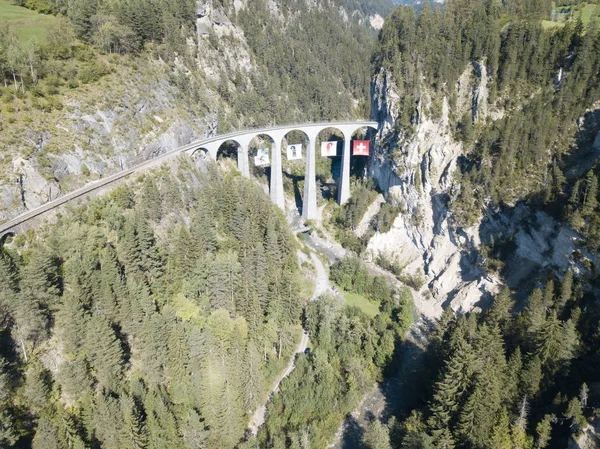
[94,137]
[417,174]
[228,51]
[588,439]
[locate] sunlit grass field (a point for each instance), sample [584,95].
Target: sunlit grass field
[26,24]
[587,13]
[370,308]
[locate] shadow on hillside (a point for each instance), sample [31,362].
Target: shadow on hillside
[403,388]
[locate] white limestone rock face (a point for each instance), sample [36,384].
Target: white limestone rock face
[232,51]
[417,174]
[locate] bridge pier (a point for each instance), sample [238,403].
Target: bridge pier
[344,187]
[276,187]
[309,202]
[242,161]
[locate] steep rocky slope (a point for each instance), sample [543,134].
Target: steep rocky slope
[419,174]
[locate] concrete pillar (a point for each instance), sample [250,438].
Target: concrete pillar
[344,186]
[309,202]
[242,160]
[276,189]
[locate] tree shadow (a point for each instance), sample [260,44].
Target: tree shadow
[353,434]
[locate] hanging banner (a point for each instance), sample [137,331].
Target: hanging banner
[360,148]
[329,148]
[262,158]
[294,152]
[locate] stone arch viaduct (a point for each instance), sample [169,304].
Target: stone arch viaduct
[212,145]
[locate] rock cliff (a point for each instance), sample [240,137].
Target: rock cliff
[418,173]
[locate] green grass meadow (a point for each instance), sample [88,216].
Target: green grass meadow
[370,308]
[585,12]
[26,24]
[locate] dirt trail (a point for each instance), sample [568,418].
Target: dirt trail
[322,282]
[258,417]
[321,286]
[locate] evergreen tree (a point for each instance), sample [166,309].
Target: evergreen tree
[105,353]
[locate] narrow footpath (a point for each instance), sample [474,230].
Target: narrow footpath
[321,286]
[258,417]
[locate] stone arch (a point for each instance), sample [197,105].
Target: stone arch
[5,237]
[358,164]
[200,153]
[296,136]
[254,144]
[228,149]
[371,131]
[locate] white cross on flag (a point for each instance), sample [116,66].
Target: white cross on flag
[262,157]
[360,148]
[329,148]
[294,152]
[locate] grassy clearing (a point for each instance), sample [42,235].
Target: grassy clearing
[589,13]
[26,24]
[586,12]
[370,308]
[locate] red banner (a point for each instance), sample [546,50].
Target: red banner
[360,148]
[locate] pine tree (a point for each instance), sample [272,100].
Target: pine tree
[150,261]
[151,201]
[160,422]
[37,387]
[500,438]
[500,312]
[377,436]
[106,427]
[46,435]
[74,378]
[71,321]
[534,314]
[549,341]
[134,434]
[543,432]
[590,196]
[106,355]
[113,289]
[566,290]
[450,390]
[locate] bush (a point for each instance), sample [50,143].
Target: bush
[416,280]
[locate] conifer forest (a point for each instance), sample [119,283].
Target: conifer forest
[452,302]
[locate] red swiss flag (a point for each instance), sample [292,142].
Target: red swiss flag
[360,148]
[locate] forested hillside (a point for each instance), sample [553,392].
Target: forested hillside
[500,380]
[156,316]
[539,82]
[159,315]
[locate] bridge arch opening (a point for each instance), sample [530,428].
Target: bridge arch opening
[328,167]
[294,148]
[200,154]
[260,156]
[228,153]
[358,163]
[5,238]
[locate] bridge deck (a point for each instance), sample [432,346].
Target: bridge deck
[9,225]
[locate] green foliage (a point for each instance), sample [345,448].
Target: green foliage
[349,350]
[156,334]
[501,376]
[518,156]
